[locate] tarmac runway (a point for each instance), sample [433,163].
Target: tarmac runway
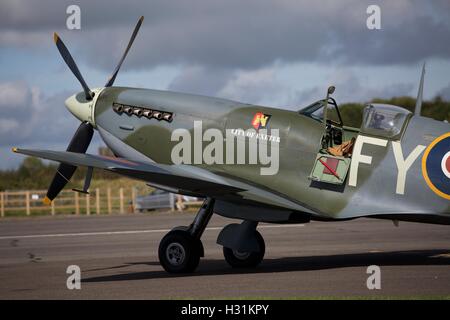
[118,259]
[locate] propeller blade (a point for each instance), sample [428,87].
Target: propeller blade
[79,143]
[130,43]
[72,65]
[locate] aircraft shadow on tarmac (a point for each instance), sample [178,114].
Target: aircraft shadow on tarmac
[309,263]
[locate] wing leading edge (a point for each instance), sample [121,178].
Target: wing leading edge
[171,176]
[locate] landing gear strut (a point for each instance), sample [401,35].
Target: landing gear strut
[180,250]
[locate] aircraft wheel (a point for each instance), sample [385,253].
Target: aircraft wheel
[179,252]
[238,259]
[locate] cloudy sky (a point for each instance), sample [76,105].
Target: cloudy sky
[281,53]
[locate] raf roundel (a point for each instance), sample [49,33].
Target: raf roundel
[436,166]
[445,164]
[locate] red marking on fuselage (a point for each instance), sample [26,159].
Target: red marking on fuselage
[330,170]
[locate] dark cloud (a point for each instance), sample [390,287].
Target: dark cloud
[255,86]
[261,86]
[350,89]
[237,34]
[27,116]
[14,99]
[200,80]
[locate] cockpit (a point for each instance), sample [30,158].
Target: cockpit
[382,120]
[336,145]
[327,111]
[316,110]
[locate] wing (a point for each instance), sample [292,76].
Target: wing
[168,176]
[185,179]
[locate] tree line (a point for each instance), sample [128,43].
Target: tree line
[33,173]
[437,109]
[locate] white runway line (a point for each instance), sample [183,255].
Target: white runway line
[107,233]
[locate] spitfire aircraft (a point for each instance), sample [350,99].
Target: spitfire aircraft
[395,166]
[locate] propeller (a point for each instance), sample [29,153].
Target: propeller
[130,43]
[79,144]
[83,136]
[65,54]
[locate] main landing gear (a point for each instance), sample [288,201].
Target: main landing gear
[180,250]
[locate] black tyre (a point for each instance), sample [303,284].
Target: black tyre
[179,252]
[238,259]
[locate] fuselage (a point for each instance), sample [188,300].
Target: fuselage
[376,192]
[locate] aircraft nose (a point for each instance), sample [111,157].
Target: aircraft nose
[80,107]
